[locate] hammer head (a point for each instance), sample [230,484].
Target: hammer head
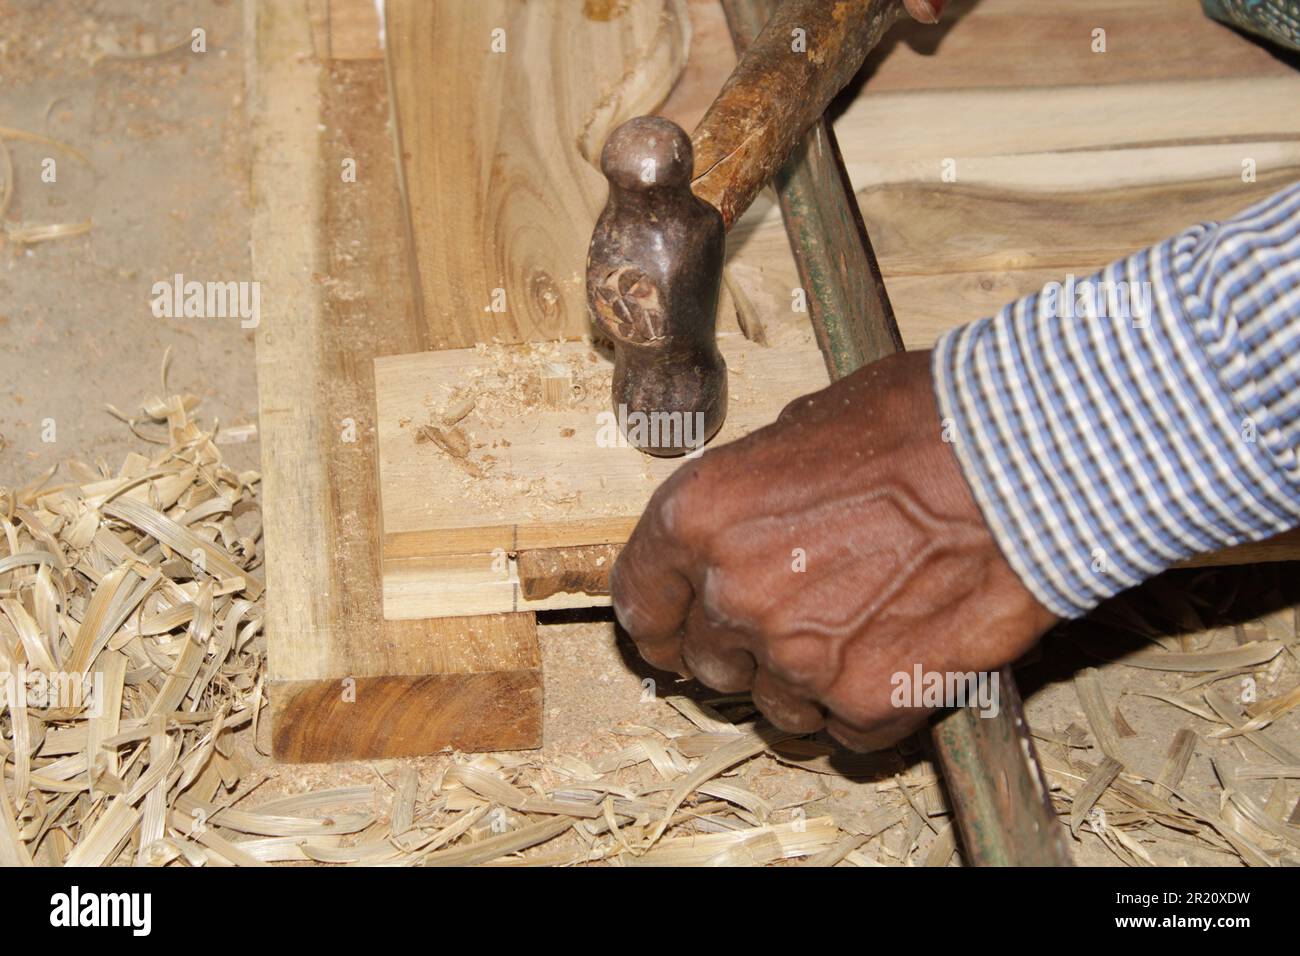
[653,273]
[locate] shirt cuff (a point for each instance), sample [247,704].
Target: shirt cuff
[1112,427]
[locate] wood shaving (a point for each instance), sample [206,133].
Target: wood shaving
[114,724]
[147,582]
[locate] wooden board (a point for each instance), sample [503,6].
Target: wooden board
[1026,43]
[503,107]
[336,256]
[980,43]
[346,29]
[330,256]
[536,476]
[1034,192]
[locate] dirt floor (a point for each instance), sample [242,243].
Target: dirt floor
[165,186]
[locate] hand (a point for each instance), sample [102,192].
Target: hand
[816,558]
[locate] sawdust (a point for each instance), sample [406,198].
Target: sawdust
[511,382]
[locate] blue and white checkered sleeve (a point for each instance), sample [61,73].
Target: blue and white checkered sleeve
[1112,427]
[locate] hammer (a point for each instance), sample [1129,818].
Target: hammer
[654,267]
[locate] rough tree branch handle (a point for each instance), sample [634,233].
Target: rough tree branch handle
[777,91]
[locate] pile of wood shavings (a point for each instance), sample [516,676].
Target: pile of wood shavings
[1140,821]
[130,649]
[1132,814]
[666,798]
[131,615]
[147,582]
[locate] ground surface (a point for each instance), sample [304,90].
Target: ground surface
[166,190]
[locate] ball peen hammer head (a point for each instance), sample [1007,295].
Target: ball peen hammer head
[653,274]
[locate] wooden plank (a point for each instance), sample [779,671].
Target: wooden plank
[1038,175]
[711,60]
[890,137]
[1281,547]
[1023,43]
[1035,198]
[501,132]
[330,257]
[574,570]
[1012,43]
[346,29]
[961,278]
[354,30]
[1062,176]
[941,231]
[1065,233]
[534,476]
[459,585]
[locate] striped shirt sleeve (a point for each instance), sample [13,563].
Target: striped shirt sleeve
[1112,427]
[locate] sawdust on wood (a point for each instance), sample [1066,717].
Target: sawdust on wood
[514,381]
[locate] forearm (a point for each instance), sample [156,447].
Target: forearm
[1106,444]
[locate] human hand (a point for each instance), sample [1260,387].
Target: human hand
[814,559]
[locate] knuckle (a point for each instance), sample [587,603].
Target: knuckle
[783,707]
[728,671]
[665,655]
[728,602]
[685,509]
[632,609]
[629,609]
[802,659]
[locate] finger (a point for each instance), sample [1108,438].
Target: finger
[650,592]
[717,655]
[803,660]
[927,11]
[665,655]
[783,706]
[880,735]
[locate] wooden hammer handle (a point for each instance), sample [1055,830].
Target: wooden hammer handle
[782,84]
